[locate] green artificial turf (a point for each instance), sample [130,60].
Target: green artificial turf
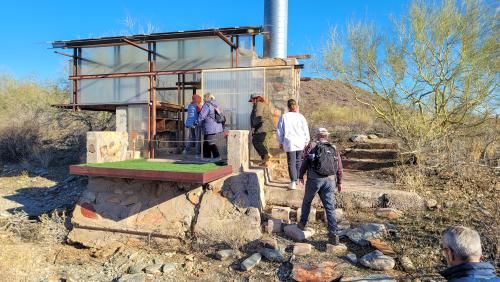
[160,166]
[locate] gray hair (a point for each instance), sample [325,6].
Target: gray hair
[463,242]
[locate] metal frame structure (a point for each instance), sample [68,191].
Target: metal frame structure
[152,73]
[231,36]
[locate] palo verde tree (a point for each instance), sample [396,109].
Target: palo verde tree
[433,74]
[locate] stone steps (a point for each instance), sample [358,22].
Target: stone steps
[376,145]
[385,154]
[359,191]
[368,164]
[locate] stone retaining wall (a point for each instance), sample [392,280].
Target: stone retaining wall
[226,211]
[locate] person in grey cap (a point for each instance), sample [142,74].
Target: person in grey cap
[324,169]
[261,121]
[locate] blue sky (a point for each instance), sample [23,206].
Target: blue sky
[26,27]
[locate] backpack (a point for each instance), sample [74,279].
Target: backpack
[219,116]
[325,162]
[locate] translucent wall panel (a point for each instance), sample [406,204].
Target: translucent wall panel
[137,123]
[200,53]
[113,90]
[245,51]
[232,89]
[113,59]
[169,96]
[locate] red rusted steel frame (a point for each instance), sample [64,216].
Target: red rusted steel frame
[223,37]
[187,177]
[183,132]
[131,74]
[67,55]
[304,56]
[232,53]
[237,52]
[137,45]
[75,73]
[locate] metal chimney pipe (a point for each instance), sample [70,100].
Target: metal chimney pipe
[276,26]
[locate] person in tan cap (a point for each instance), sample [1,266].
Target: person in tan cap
[261,121]
[324,171]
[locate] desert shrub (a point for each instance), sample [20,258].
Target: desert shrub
[33,131]
[19,141]
[430,77]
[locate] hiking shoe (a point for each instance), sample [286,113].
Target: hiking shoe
[333,239]
[292,185]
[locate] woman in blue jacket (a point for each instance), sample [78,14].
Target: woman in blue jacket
[212,130]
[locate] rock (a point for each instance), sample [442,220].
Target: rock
[272,255]
[312,215]
[194,195]
[282,213]
[359,138]
[352,258]
[168,267]
[382,246]
[153,268]
[269,242]
[158,260]
[220,222]
[324,271]
[372,136]
[137,268]
[226,254]
[338,250]
[431,203]
[294,232]
[448,204]
[378,261]
[138,277]
[388,213]
[302,249]
[189,257]
[274,225]
[370,278]
[407,264]
[366,232]
[251,262]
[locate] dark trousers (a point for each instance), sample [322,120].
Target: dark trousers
[324,187]
[294,160]
[210,149]
[260,143]
[194,139]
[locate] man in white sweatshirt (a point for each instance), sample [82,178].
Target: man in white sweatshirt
[293,136]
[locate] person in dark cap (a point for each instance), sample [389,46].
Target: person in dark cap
[262,127]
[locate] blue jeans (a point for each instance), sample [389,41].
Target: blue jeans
[194,139]
[294,160]
[324,187]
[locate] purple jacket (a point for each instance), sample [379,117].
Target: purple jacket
[207,118]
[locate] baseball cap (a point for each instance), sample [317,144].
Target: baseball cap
[322,131]
[253,96]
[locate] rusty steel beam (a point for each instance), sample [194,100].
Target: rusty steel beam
[131,74]
[306,56]
[67,55]
[136,45]
[223,37]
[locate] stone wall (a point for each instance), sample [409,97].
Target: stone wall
[226,211]
[106,146]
